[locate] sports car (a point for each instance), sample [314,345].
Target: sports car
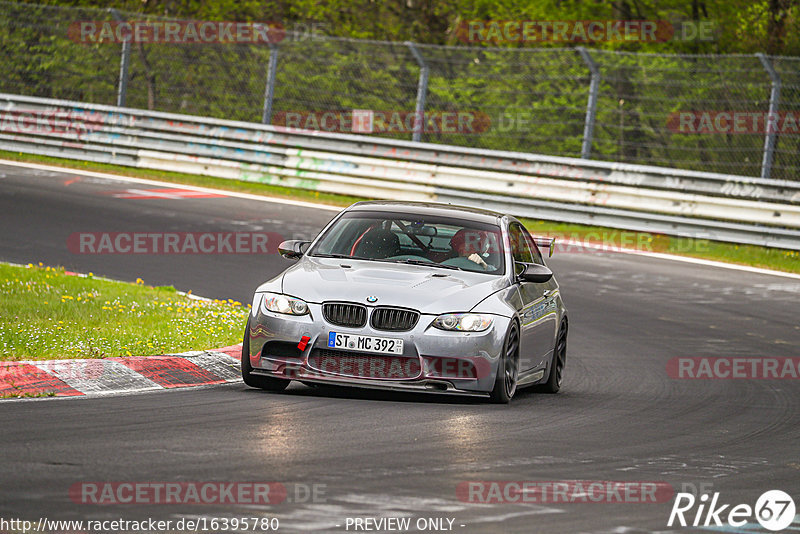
[415,297]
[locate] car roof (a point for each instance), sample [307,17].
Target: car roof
[429,208]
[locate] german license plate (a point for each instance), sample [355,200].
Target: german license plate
[381,345]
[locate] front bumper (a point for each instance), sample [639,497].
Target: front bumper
[436,361]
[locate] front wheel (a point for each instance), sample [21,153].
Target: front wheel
[255,381]
[505,383]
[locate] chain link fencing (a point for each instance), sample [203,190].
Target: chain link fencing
[698,112]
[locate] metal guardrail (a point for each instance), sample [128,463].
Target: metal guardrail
[674,202]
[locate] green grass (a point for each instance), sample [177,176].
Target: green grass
[755,256]
[47,314]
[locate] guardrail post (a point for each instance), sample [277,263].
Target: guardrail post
[771,125]
[591,105]
[422,91]
[124,63]
[269,91]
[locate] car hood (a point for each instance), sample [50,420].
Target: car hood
[429,290]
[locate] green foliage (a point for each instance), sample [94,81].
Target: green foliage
[740,26]
[533,95]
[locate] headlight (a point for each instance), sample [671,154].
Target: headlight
[277,303]
[465,322]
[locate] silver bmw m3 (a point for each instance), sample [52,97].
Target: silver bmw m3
[413,297]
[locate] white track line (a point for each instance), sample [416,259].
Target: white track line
[260,198]
[687,259]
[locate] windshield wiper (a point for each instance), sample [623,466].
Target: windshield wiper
[428,264]
[408,261]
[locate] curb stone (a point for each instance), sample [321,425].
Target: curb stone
[109,376]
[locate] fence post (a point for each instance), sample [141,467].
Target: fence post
[269,91]
[422,91]
[771,126]
[591,105]
[124,63]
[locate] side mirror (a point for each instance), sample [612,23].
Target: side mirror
[292,250]
[533,272]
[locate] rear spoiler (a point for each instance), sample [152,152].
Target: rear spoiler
[546,242]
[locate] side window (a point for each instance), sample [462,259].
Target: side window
[520,250]
[537,255]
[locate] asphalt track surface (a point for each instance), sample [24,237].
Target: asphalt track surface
[619,416]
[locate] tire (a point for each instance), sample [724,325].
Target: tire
[505,383]
[255,381]
[556,377]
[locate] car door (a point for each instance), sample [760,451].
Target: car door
[537,315]
[547,308]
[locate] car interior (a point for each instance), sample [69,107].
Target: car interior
[446,243]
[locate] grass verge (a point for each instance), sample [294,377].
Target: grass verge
[47,314]
[754,256]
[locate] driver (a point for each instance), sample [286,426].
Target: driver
[469,244]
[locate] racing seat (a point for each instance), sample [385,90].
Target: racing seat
[378,244]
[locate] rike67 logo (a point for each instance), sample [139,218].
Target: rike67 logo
[774,511]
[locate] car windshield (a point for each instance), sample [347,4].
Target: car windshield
[440,242]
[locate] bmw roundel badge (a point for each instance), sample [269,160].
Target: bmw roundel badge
[372,298]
